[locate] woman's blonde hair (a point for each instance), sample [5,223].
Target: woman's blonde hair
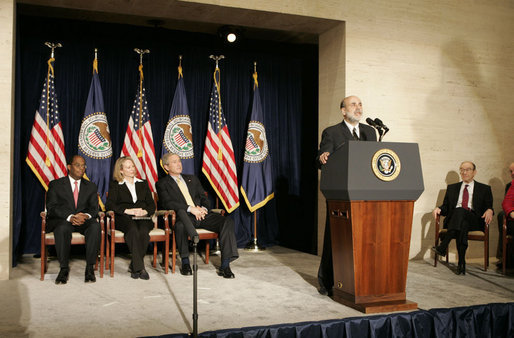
[117,167]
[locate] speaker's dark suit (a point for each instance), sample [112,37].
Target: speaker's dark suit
[60,204]
[135,231]
[332,139]
[459,221]
[170,197]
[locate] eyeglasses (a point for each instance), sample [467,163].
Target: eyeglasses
[78,165]
[465,170]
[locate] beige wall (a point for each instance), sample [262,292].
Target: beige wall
[6,127]
[440,73]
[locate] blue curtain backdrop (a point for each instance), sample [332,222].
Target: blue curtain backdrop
[288,84]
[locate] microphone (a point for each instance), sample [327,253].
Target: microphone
[381,124]
[372,123]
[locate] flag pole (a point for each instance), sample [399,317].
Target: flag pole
[52,46]
[253,245]
[141,52]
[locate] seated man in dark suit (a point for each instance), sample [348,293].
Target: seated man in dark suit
[185,195]
[510,222]
[467,205]
[72,205]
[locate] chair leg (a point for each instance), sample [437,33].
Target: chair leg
[43,261]
[107,256]
[207,249]
[112,256]
[173,254]
[436,244]
[486,255]
[154,263]
[166,254]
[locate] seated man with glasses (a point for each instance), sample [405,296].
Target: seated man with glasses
[72,205]
[467,205]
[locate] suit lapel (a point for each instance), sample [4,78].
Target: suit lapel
[346,131]
[174,186]
[69,192]
[82,192]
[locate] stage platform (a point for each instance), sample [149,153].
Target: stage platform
[275,286]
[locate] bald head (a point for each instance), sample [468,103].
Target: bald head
[351,108]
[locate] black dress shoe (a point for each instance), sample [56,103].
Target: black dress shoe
[90,274]
[324,292]
[143,274]
[461,269]
[438,251]
[186,270]
[226,273]
[134,275]
[62,277]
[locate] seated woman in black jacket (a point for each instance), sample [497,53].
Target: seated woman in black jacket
[132,202]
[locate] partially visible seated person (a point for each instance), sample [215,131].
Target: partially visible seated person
[72,205]
[510,222]
[185,194]
[130,198]
[468,206]
[508,203]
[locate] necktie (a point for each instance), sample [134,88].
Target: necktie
[185,192]
[465,197]
[76,193]
[355,136]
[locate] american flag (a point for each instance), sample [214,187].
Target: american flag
[218,157]
[138,142]
[46,156]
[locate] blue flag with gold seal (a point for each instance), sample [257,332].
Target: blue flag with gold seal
[95,139]
[257,180]
[178,135]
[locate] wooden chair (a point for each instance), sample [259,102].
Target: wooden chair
[505,240]
[482,236]
[156,235]
[76,238]
[203,234]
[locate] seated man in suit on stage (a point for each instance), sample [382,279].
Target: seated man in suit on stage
[468,206]
[72,205]
[510,222]
[332,139]
[185,195]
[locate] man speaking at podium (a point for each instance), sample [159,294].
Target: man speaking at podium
[332,139]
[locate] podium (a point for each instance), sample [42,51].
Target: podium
[370,189]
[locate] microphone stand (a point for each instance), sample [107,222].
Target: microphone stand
[195,287]
[380,133]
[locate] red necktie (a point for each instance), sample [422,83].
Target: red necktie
[465,197]
[76,193]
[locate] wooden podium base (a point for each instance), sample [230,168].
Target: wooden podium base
[378,307]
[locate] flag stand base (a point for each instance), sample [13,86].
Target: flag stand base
[253,246]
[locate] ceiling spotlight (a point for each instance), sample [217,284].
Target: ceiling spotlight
[231,37]
[229,34]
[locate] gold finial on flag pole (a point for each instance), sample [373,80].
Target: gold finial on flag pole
[180,67]
[53,46]
[217,58]
[141,52]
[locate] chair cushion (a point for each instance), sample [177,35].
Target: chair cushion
[157,232]
[74,235]
[201,231]
[470,233]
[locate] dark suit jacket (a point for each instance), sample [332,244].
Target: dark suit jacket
[60,203]
[171,198]
[482,200]
[335,136]
[119,198]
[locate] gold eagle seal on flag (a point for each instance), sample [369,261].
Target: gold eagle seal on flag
[94,136]
[256,147]
[386,165]
[178,136]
